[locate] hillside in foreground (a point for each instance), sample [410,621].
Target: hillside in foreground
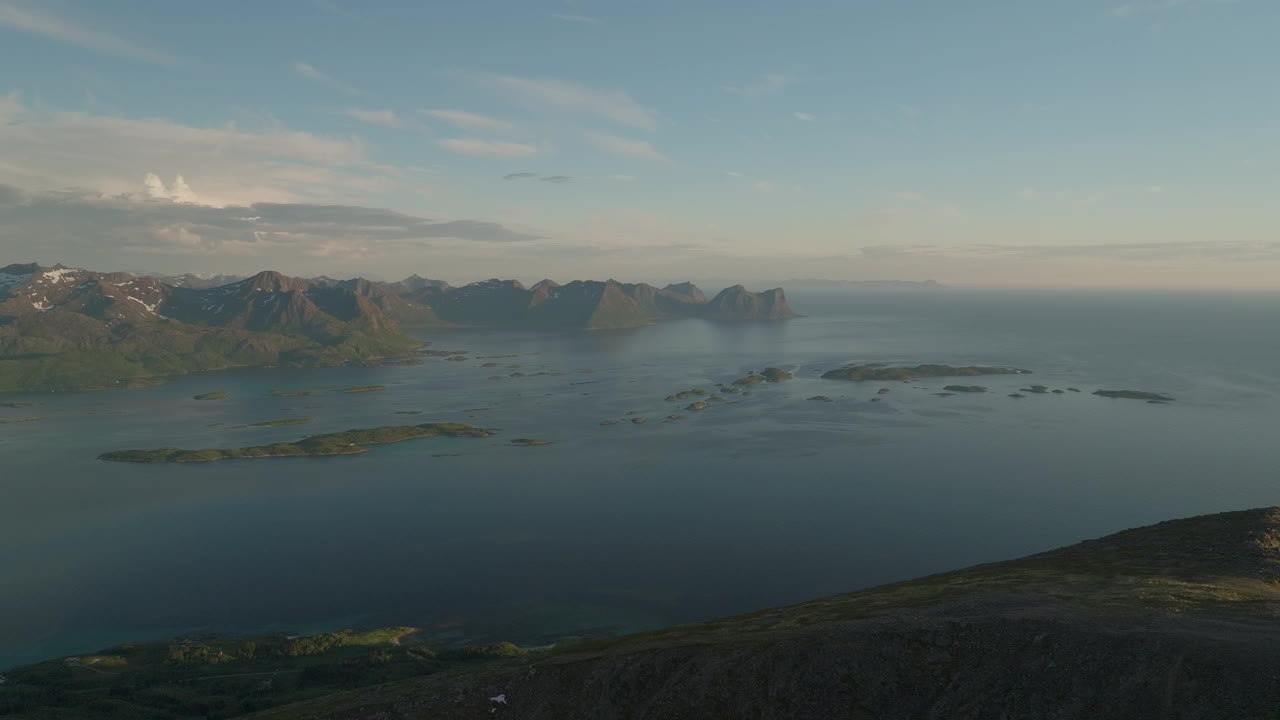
[1175,620]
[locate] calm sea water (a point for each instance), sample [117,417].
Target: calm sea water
[768,500]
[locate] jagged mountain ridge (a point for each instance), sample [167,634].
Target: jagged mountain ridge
[67,328]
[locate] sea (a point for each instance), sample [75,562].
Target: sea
[759,500]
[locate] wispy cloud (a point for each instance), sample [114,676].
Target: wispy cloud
[471,121]
[88,224]
[804,116]
[625,147]
[227,164]
[487,148]
[731,173]
[1159,6]
[311,73]
[613,105]
[66,31]
[622,178]
[553,179]
[385,118]
[767,84]
[576,18]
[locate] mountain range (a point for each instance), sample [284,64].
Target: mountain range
[67,328]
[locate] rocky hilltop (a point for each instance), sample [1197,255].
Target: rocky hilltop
[1175,620]
[593,304]
[67,328]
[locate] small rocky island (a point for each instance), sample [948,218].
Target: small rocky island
[965,388]
[350,442]
[1133,395]
[882,372]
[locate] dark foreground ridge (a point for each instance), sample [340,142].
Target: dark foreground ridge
[1175,620]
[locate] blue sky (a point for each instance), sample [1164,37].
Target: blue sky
[1071,143]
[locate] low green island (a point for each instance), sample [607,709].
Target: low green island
[529,442]
[364,388]
[11,421]
[290,393]
[965,388]
[1133,395]
[216,395]
[350,442]
[880,371]
[275,423]
[16,405]
[685,394]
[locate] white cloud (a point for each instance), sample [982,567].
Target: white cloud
[622,178]
[471,121]
[385,118]
[10,107]
[614,105]
[178,192]
[806,117]
[731,173]
[626,147]
[88,227]
[767,84]
[487,148]
[230,165]
[311,73]
[762,186]
[37,23]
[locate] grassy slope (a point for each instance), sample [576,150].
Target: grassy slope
[1117,605]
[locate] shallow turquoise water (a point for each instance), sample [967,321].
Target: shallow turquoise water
[768,500]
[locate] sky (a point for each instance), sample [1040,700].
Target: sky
[1045,143]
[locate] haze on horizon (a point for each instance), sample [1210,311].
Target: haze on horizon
[1100,143]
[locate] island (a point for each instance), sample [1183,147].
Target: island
[290,393]
[274,423]
[364,388]
[529,442]
[820,398]
[217,395]
[965,388]
[882,372]
[67,328]
[775,375]
[1133,395]
[699,405]
[350,442]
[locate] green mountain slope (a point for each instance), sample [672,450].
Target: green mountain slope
[1175,620]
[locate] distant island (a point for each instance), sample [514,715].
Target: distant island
[70,329]
[1134,395]
[350,442]
[882,372]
